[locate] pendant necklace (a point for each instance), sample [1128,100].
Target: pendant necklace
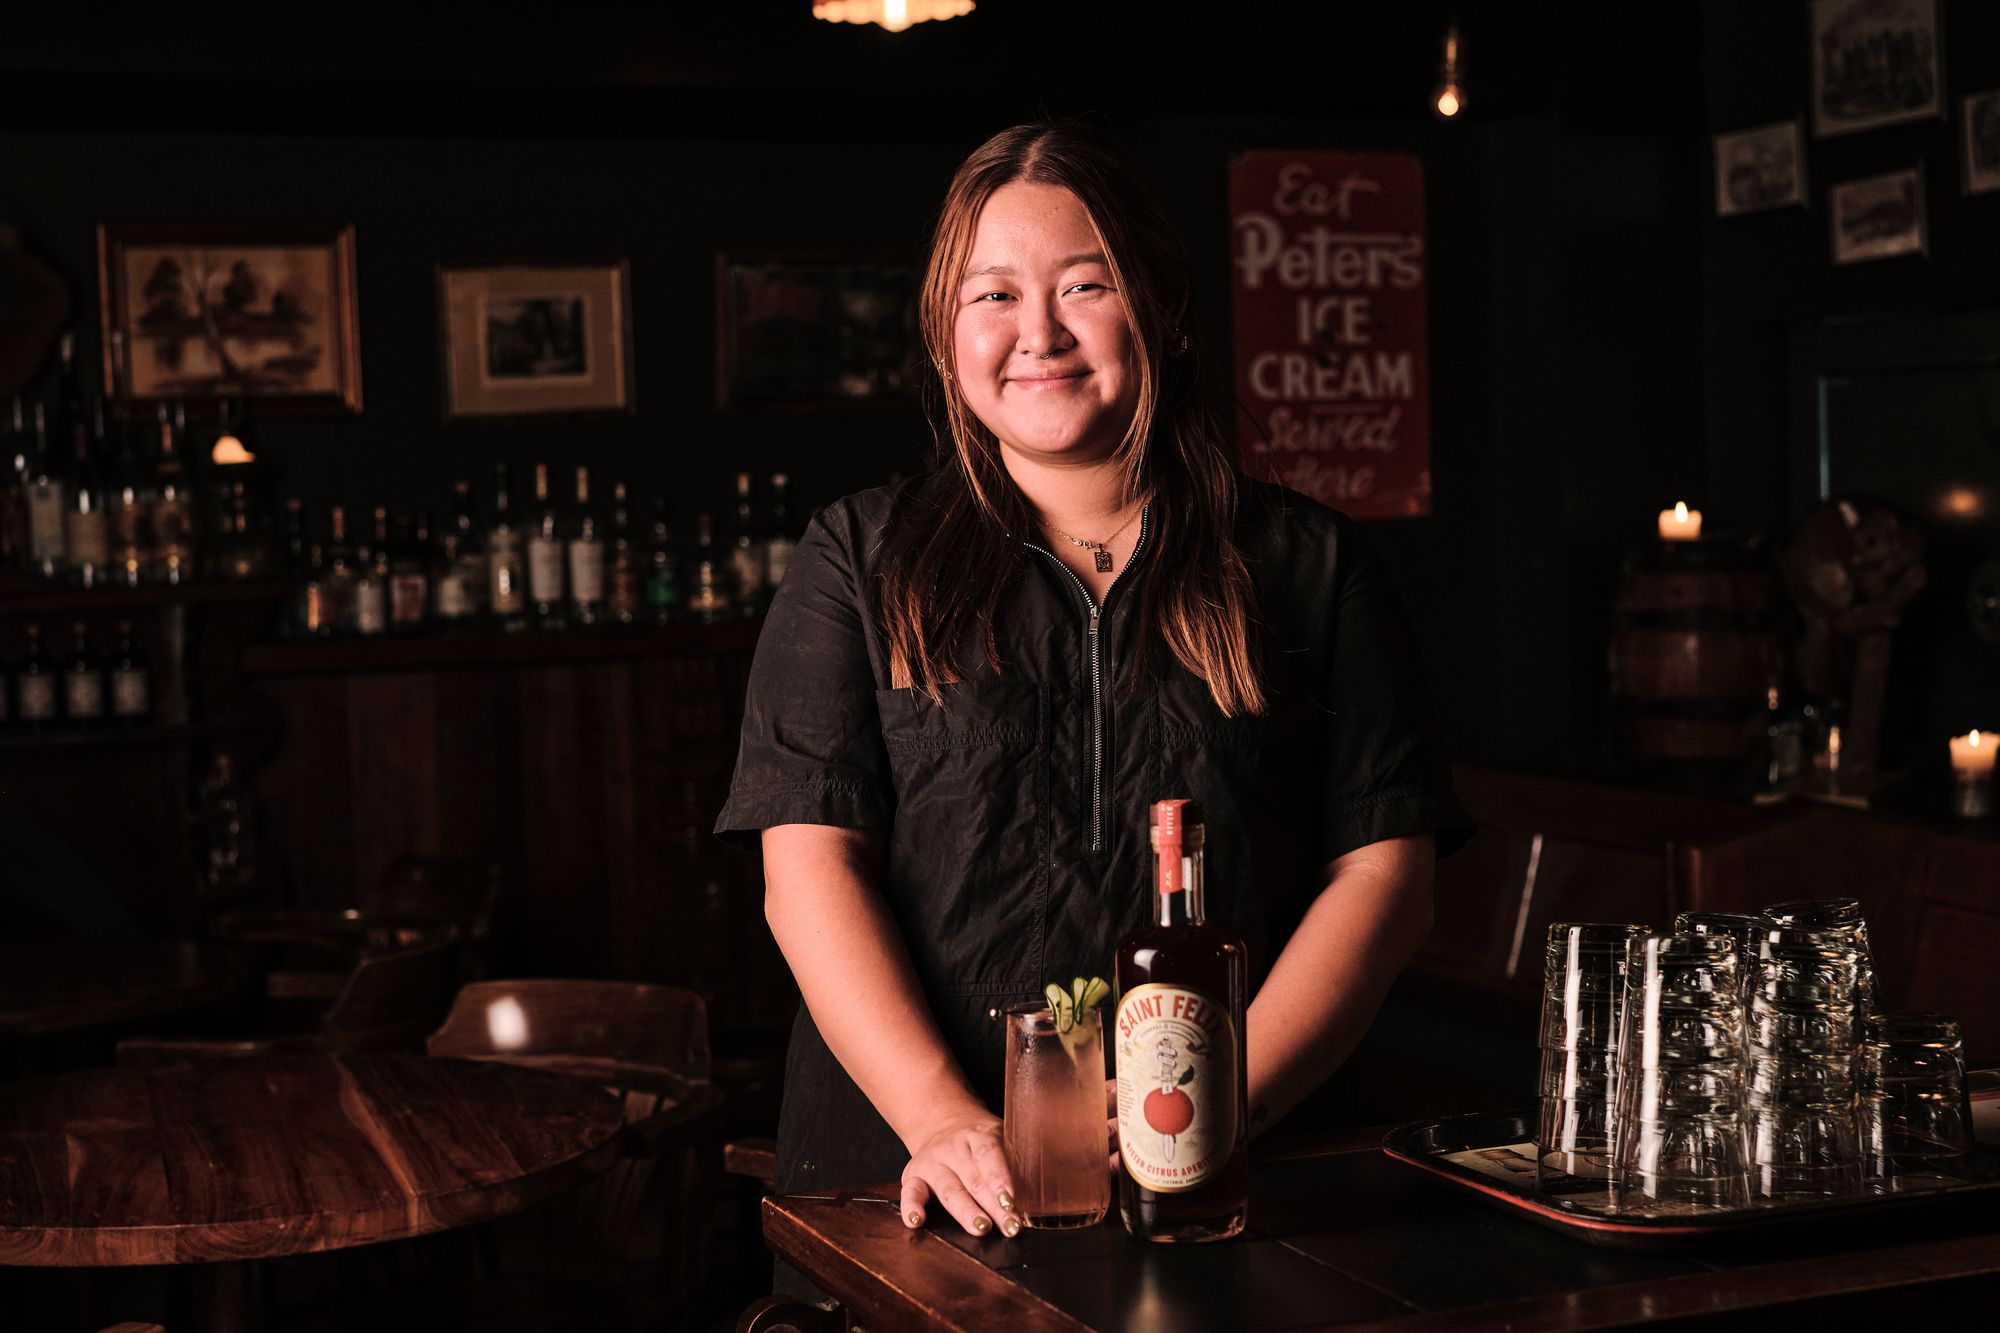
[1098,550]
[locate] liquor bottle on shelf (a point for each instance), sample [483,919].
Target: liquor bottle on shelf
[228,826]
[621,569]
[312,606]
[709,589]
[131,681]
[18,455]
[341,574]
[236,551]
[506,570]
[172,555]
[371,580]
[82,681]
[1182,988]
[545,556]
[778,541]
[48,504]
[665,592]
[746,553]
[586,558]
[35,689]
[458,575]
[410,574]
[130,508]
[88,536]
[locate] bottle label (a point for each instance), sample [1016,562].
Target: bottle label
[508,596]
[545,570]
[89,539]
[83,694]
[777,559]
[454,597]
[45,521]
[1177,1094]
[586,571]
[371,607]
[38,697]
[131,692]
[746,567]
[409,595]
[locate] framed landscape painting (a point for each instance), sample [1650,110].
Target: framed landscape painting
[536,339]
[1982,142]
[1874,63]
[264,312]
[1878,217]
[1760,169]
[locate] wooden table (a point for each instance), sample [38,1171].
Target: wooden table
[1343,1237]
[68,986]
[254,1158]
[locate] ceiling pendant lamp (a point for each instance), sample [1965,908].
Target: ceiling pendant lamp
[1449,98]
[895,15]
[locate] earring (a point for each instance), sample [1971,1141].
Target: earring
[1177,343]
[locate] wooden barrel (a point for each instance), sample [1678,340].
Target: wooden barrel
[1694,647]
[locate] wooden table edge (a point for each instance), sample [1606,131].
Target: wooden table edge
[948,1291]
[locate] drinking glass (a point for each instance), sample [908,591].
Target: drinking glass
[1742,927]
[1583,989]
[1842,915]
[1916,1121]
[1052,1121]
[1679,1128]
[1801,1094]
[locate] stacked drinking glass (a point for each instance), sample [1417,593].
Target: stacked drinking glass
[1842,915]
[1801,1063]
[1916,1121]
[1584,978]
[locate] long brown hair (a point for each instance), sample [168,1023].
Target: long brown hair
[955,547]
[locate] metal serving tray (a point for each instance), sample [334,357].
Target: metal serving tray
[1483,1153]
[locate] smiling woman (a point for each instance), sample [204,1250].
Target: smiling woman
[972,685]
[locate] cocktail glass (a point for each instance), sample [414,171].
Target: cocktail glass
[1053,1118]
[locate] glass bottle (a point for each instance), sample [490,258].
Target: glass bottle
[410,574]
[371,580]
[172,557]
[18,456]
[313,613]
[87,537]
[83,681]
[506,568]
[1182,990]
[709,591]
[131,681]
[35,690]
[341,574]
[461,574]
[48,504]
[545,556]
[229,862]
[778,542]
[746,553]
[130,507]
[586,558]
[621,593]
[664,590]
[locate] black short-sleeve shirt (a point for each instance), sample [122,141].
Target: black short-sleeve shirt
[1015,813]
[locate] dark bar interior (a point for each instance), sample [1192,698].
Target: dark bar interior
[487,493]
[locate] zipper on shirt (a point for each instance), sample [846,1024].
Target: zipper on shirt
[1093,647]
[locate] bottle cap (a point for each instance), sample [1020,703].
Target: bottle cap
[1175,823]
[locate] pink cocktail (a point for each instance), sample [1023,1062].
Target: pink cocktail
[1054,1118]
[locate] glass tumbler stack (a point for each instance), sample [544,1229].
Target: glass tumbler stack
[1916,1121]
[1803,1022]
[1679,1128]
[1844,916]
[1583,985]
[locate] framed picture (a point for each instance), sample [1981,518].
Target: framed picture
[536,339]
[1874,62]
[1878,217]
[1760,169]
[231,310]
[1982,142]
[815,331]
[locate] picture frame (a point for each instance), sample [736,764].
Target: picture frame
[1875,63]
[1979,132]
[1878,217]
[816,330]
[199,312]
[1760,169]
[527,339]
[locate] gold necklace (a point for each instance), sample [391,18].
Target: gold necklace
[1098,550]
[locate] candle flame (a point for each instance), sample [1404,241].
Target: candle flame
[1680,511]
[1975,742]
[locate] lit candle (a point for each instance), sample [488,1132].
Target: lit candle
[1972,765]
[1972,754]
[1680,524]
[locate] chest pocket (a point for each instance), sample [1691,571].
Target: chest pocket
[972,714]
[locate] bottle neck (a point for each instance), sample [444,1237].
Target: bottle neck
[1179,895]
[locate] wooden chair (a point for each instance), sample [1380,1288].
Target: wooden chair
[641,1230]
[387,1003]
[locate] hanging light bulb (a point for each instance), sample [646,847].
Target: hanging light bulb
[895,15]
[1449,100]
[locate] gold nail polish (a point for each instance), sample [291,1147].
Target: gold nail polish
[980,1225]
[1006,1199]
[1011,1227]
[914,1218]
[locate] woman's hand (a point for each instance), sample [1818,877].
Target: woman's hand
[961,1165]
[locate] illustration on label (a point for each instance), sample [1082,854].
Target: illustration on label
[1176,1052]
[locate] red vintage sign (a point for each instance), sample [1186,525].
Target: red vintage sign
[1332,351]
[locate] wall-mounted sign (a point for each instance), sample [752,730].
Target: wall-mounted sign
[1332,353]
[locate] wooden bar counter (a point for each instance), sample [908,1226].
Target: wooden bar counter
[1343,1237]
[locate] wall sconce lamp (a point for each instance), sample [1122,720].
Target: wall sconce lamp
[1449,100]
[895,15]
